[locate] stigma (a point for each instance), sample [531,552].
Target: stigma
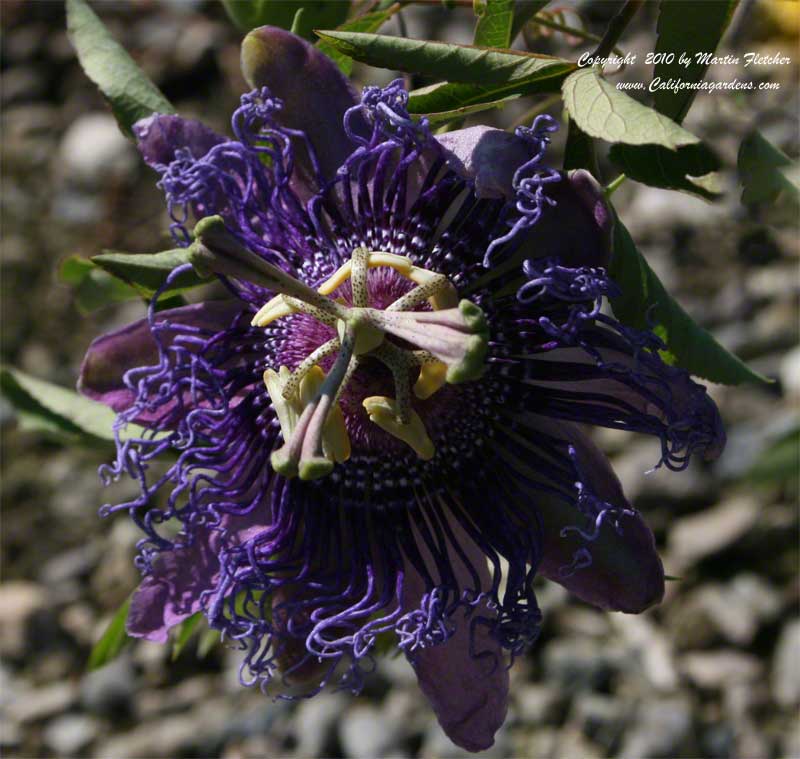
[426,338]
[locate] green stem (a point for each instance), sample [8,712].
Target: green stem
[616,28]
[612,186]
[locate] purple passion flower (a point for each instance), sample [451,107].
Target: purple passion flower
[378,438]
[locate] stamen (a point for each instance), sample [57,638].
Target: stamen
[457,336]
[432,376]
[335,441]
[383,411]
[401,264]
[358,277]
[433,286]
[303,453]
[400,363]
[292,383]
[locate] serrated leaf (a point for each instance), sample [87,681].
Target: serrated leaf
[127,88]
[113,640]
[494,21]
[644,300]
[368,22]
[455,63]
[691,32]
[147,272]
[691,168]
[445,117]
[602,111]
[249,14]
[524,11]
[761,166]
[183,633]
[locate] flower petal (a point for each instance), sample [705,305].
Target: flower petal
[468,691]
[113,354]
[314,92]
[626,573]
[488,156]
[578,228]
[160,135]
[172,591]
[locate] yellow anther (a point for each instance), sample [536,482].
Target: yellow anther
[431,378]
[335,440]
[383,412]
[273,309]
[401,264]
[287,411]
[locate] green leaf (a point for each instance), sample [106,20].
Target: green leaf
[445,97]
[445,117]
[183,633]
[761,166]
[602,111]
[146,272]
[495,19]
[691,168]
[249,14]
[456,63]
[45,407]
[579,150]
[694,33]
[777,465]
[113,640]
[368,22]
[127,88]
[524,11]
[93,288]
[208,640]
[644,300]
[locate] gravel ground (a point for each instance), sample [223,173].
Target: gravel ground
[713,672]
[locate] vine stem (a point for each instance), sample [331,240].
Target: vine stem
[616,28]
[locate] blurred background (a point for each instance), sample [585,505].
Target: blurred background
[713,672]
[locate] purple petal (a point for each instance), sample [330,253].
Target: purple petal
[314,92]
[578,228]
[172,592]
[626,573]
[160,135]
[489,156]
[469,694]
[113,354]
[179,577]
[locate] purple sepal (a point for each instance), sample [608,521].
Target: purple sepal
[618,567]
[180,576]
[160,135]
[488,156]
[578,227]
[111,355]
[465,677]
[314,92]
[171,593]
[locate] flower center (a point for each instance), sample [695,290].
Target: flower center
[423,350]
